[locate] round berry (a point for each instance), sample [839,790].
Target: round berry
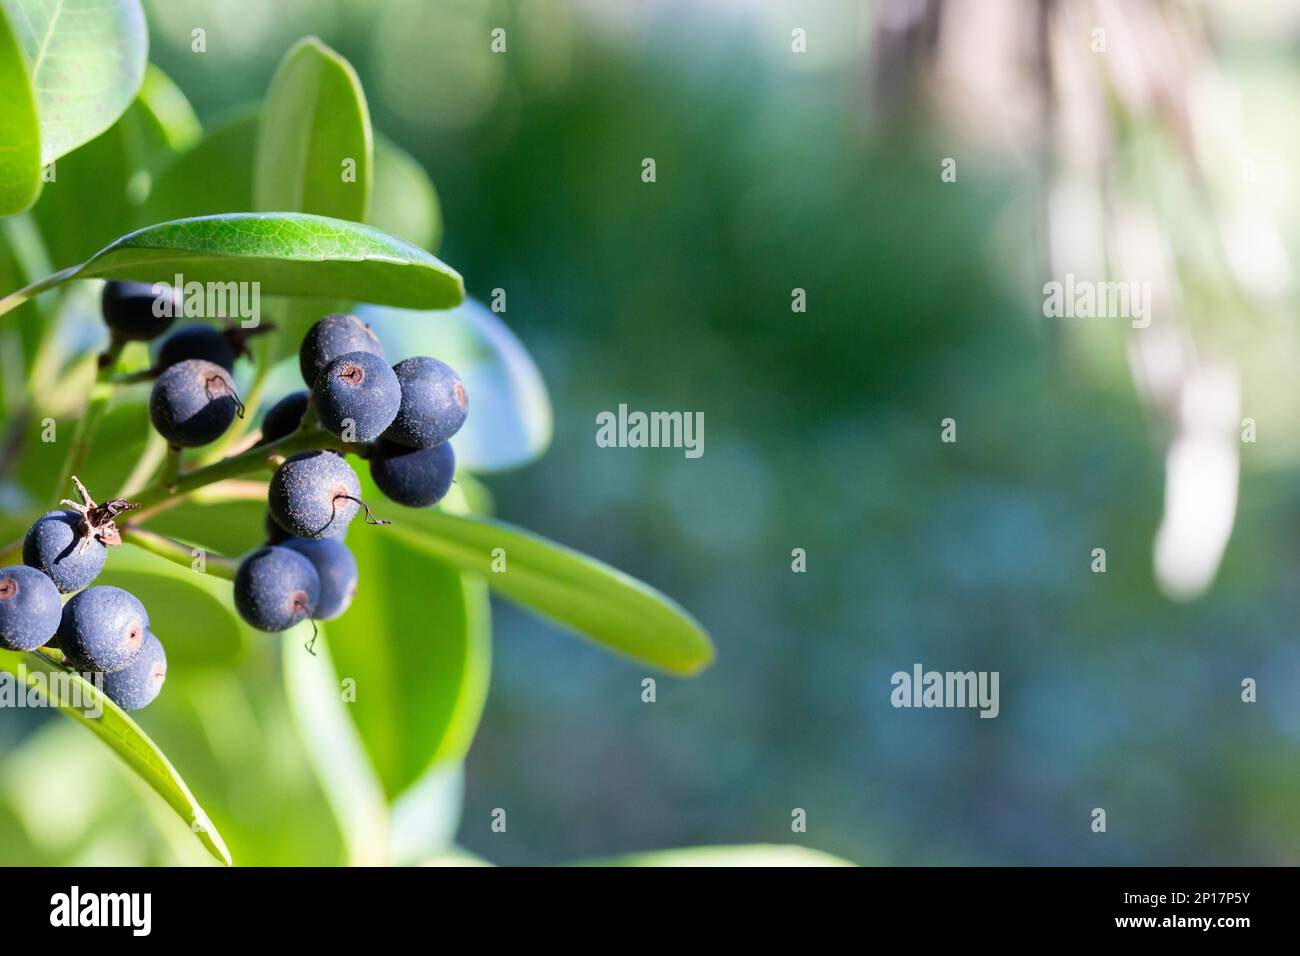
[136,685]
[357,396]
[314,494]
[331,337]
[337,570]
[275,588]
[284,417]
[30,608]
[131,309]
[196,342]
[434,403]
[415,477]
[193,403]
[103,629]
[54,546]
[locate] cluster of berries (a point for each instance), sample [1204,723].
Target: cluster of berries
[399,418]
[100,630]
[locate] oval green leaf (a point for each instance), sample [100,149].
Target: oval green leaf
[418,640]
[337,755]
[87,62]
[124,737]
[583,594]
[314,145]
[287,253]
[190,610]
[314,154]
[98,186]
[20,138]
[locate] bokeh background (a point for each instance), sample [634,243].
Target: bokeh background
[1166,156]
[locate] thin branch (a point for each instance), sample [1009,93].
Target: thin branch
[238,466]
[177,552]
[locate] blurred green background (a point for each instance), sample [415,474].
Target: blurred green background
[1168,157]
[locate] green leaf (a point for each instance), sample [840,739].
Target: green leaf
[98,187]
[214,176]
[286,253]
[758,854]
[104,719]
[314,126]
[20,142]
[403,200]
[170,117]
[417,642]
[585,595]
[510,411]
[337,755]
[315,155]
[191,611]
[88,60]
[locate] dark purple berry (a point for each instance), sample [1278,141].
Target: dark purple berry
[196,342]
[132,309]
[275,588]
[331,337]
[30,608]
[136,685]
[193,403]
[103,629]
[337,570]
[357,396]
[54,545]
[415,477]
[314,494]
[284,417]
[434,403]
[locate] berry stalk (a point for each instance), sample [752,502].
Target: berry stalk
[256,459]
[176,552]
[101,394]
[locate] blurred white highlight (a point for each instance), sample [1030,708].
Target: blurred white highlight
[1201,475]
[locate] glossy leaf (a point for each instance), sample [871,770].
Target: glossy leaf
[190,610]
[87,62]
[510,422]
[314,145]
[125,738]
[346,775]
[98,187]
[170,117]
[20,142]
[285,253]
[314,154]
[417,642]
[579,592]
